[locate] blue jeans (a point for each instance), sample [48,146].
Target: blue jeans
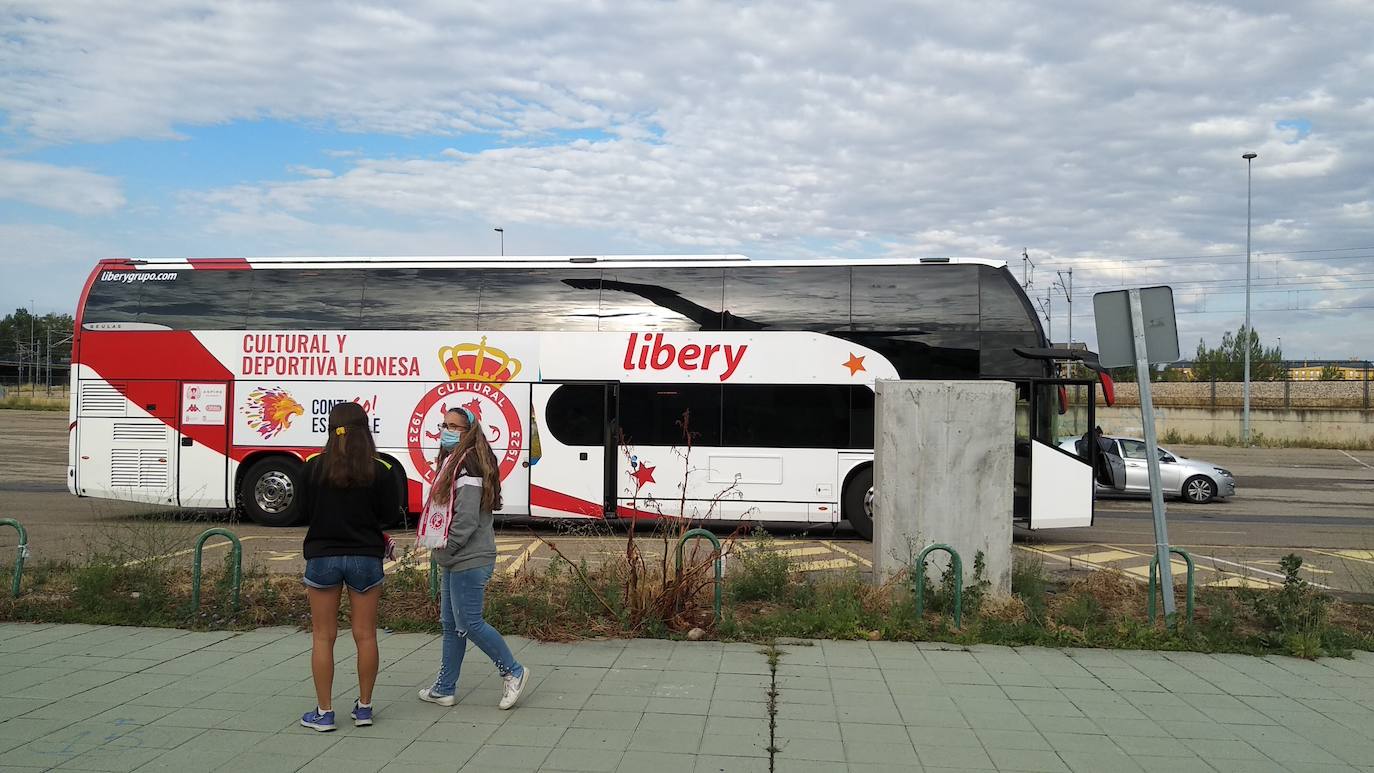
[462,595]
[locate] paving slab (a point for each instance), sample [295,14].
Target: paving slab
[133,699]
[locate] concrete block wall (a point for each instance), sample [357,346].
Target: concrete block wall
[943,466]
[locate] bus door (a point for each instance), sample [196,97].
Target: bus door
[574,429]
[203,443]
[125,443]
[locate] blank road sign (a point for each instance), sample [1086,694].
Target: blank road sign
[1116,341]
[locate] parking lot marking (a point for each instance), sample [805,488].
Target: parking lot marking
[1104,556]
[1058,548]
[1144,571]
[1357,461]
[796,552]
[1363,556]
[855,556]
[519,561]
[189,551]
[820,566]
[1241,582]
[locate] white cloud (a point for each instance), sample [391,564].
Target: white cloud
[61,188]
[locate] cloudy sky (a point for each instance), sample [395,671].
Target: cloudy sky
[1103,139]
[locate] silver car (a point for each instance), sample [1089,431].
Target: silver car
[1193,480]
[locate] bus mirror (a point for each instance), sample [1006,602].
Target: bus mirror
[1063,400]
[1108,389]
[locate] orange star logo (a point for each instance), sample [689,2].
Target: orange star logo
[855,364]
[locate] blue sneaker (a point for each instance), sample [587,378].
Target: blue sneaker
[321,721]
[362,715]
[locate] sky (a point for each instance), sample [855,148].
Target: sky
[1105,138]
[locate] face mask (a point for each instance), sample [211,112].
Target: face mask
[449,438]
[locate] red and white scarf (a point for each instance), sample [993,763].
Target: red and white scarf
[437,517]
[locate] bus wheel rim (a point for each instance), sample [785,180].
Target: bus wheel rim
[868,503]
[274,492]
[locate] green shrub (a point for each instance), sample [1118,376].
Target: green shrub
[759,573]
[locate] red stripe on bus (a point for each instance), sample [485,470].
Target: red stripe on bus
[220,264]
[563,503]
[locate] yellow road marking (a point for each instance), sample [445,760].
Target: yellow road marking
[1363,556]
[278,555]
[420,556]
[1057,548]
[1104,556]
[222,543]
[1241,582]
[521,559]
[1144,571]
[793,552]
[855,556]
[817,566]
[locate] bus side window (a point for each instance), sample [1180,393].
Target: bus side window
[651,414]
[409,298]
[199,299]
[306,300]
[794,298]
[536,299]
[575,415]
[786,416]
[668,298]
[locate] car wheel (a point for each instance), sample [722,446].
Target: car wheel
[269,492]
[1199,490]
[858,502]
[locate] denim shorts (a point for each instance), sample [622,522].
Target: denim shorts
[359,573]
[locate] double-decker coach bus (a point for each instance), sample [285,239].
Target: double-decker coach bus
[205,383]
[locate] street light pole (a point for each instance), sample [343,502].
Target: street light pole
[1245,421]
[502,231]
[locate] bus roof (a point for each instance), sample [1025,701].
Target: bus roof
[523,261]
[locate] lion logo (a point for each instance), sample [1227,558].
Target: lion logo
[269,411]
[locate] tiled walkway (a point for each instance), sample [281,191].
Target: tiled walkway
[121,699]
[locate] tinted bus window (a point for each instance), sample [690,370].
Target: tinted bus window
[1003,307]
[423,299]
[285,299]
[787,298]
[818,416]
[576,414]
[915,298]
[651,414]
[198,300]
[997,355]
[537,299]
[661,299]
[112,300]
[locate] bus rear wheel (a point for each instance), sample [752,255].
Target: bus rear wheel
[858,502]
[269,492]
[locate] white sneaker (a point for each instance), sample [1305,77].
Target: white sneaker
[514,685]
[443,700]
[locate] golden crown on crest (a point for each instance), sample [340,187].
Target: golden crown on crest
[478,362]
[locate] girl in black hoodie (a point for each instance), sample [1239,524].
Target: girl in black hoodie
[347,494]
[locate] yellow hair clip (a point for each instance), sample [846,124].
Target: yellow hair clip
[339,430]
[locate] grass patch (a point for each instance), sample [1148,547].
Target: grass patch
[1259,440]
[33,403]
[766,600]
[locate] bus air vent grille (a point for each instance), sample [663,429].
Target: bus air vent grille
[144,468]
[100,399]
[125,431]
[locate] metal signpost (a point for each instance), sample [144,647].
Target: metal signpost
[1137,327]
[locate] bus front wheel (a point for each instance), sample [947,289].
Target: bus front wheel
[269,492]
[858,502]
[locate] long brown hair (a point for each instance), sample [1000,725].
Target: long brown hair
[474,453]
[349,453]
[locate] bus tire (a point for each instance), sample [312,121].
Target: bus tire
[268,493]
[858,499]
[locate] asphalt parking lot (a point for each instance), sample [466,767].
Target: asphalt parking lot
[1318,503]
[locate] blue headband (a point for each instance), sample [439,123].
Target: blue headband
[471,418]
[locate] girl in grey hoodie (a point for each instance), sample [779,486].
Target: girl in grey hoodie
[469,481]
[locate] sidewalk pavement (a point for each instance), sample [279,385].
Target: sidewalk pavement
[78,697]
